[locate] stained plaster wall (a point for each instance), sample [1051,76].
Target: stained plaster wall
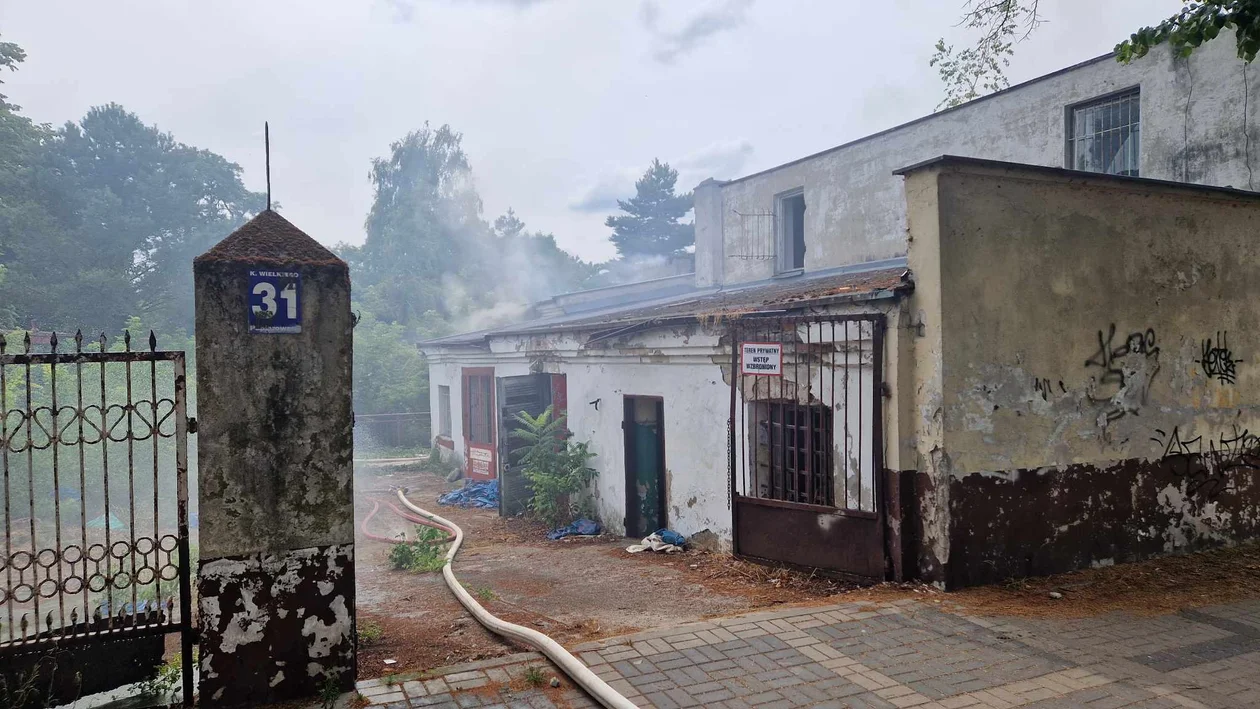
[1191,130]
[1088,374]
[689,367]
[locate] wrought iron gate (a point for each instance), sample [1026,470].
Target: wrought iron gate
[96,565]
[807,441]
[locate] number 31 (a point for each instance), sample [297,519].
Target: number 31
[268,293]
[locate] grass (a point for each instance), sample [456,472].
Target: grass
[369,632]
[425,554]
[484,593]
[534,676]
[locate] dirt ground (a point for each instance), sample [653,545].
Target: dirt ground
[579,590]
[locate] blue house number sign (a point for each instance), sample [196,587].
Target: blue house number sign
[275,302]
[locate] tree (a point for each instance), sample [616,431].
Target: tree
[650,225]
[980,69]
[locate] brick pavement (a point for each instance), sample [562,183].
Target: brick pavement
[904,654]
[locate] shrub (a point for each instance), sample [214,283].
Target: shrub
[424,554]
[554,466]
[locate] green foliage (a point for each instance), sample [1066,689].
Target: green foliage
[555,466]
[534,676]
[166,677]
[390,374]
[981,69]
[650,225]
[1198,22]
[425,554]
[329,691]
[369,632]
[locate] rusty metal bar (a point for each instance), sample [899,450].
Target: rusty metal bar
[8,512]
[809,425]
[181,511]
[735,367]
[54,442]
[861,417]
[78,373]
[877,413]
[845,463]
[131,486]
[107,556]
[30,486]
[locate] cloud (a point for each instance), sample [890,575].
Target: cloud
[701,27]
[404,10]
[721,160]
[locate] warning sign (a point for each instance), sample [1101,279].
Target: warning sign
[761,359]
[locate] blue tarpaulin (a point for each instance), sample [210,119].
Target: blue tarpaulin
[669,536]
[582,527]
[474,493]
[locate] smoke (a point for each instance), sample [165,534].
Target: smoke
[698,29]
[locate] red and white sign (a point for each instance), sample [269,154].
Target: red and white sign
[480,462]
[761,359]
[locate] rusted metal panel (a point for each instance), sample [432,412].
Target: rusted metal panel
[804,535]
[89,560]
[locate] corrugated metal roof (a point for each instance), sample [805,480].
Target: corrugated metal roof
[811,289]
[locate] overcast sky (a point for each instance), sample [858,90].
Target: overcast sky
[562,103]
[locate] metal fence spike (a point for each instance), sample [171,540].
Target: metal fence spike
[152,342]
[26,342]
[104,342]
[78,340]
[127,339]
[3,343]
[24,625]
[74,616]
[52,341]
[48,621]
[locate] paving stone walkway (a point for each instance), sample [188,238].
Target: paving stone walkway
[905,654]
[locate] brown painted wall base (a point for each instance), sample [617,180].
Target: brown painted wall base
[276,626]
[1050,520]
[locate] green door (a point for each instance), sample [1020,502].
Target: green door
[645,465]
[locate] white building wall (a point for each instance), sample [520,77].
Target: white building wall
[1192,129]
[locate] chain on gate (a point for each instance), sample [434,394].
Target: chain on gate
[94,454]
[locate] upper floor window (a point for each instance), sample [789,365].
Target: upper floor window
[1104,135]
[789,209]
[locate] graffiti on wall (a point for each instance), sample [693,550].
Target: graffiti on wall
[1217,360]
[1210,466]
[1124,368]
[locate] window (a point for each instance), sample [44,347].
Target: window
[792,450]
[789,211]
[1105,135]
[444,411]
[480,408]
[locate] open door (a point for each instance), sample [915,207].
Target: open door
[531,393]
[644,427]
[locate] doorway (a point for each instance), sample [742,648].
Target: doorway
[644,427]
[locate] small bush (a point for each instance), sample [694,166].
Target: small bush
[425,554]
[555,467]
[369,632]
[164,680]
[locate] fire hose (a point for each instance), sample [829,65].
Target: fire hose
[571,666]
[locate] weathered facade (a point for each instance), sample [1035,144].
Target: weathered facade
[1039,349]
[1083,392]
[276,577]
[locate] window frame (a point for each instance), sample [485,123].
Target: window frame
[785,252]
[444,410]
[1069,128]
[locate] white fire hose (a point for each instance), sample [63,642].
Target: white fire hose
[571,666]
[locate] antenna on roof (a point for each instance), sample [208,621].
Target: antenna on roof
[267,150]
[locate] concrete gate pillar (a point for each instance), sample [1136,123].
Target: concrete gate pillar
[275,458]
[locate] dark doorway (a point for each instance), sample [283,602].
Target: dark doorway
[531,394]
[644,427]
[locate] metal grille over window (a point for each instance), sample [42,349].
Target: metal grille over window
[1105,135]
[756,236]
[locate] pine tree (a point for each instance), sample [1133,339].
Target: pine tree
[650,225]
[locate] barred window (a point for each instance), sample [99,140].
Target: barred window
[1104,135]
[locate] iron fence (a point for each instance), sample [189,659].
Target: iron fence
[395,430]
[94,453]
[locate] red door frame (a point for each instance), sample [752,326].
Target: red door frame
[483,449]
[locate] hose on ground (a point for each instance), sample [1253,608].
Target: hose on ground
[571,666]
[376,506]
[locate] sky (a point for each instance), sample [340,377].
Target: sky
[562,103]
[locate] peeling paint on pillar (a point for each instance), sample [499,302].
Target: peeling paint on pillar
[275,453]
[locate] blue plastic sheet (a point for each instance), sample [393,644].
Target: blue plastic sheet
[474,493]
[669,536]
[582,527]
